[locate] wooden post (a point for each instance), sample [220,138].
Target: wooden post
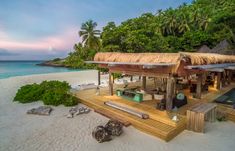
[98,77]
[131,79]
[110,83]
[229,74]
[218,81]
[170,89]
[199,86]
[144,83]
[223,79]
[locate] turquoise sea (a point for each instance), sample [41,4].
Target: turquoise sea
[20,68]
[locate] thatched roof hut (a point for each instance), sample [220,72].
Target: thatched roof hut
[190,58]
[176,61]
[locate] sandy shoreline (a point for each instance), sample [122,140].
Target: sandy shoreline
[22,132]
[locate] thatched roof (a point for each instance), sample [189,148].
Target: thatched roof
[137,57]
[192,58]
[178,61]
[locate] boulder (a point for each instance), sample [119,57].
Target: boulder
[101,134]
[114,127]
[42,110]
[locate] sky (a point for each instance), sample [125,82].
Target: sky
[46,29]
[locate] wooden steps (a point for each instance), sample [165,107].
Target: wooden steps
[229,111]
[112,116]
[150,126]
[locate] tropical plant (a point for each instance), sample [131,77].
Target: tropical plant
[90,35]
[185,28]
[50,92]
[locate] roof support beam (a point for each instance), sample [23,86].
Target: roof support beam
[147,65]
[144,83]
[218,83]
[110,83]
[215,70]
[170,90]
[199,86]
[210,66]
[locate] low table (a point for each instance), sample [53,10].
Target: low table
[197,115]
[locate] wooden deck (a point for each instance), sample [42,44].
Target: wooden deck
[159,124]
[209,97]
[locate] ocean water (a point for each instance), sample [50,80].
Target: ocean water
[21,68]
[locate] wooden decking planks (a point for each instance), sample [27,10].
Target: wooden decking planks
[149,109]
[150,126]
[159,124]
[112,116]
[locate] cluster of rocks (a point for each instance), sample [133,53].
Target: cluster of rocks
[104,133]
[42,110]
[74,111]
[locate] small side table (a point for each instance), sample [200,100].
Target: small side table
[197,115]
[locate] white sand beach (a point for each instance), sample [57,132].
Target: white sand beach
[22,132]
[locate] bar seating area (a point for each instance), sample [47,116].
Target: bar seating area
[170,85]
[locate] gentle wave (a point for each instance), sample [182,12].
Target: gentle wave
[21,68]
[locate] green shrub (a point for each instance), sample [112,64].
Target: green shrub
[29,93]
[55,85]
[117,75]
[70,100]
[50,92]
[53,97]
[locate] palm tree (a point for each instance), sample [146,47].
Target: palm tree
[170,23]
[183,22]
[204,21]
[90,36]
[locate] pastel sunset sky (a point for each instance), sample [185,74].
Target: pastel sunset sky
[45,29]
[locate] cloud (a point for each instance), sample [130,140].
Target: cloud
[4,52]
[61,42]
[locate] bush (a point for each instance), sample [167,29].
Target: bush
[70,100]
[29,93]
[50,92]
[55,85]
[53,97]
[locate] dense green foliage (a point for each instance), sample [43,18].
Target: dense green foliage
[29,93]
[182,29]
[50,92]
[76,58]
[186,28]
